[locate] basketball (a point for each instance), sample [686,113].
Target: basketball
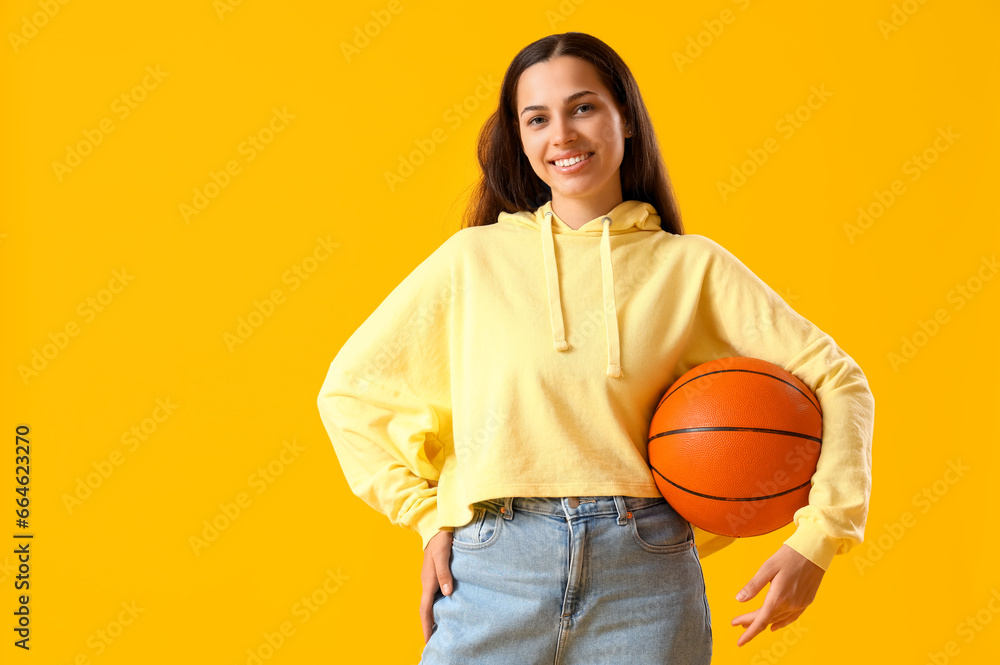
[733,445]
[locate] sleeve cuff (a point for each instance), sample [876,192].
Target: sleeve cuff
[427,525]
[814,543]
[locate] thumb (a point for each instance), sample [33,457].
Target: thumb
[755,584]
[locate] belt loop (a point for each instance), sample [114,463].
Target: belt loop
[508,508]
[622,510]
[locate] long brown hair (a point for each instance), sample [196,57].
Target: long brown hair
[508,182]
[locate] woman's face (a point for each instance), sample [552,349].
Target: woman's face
[555,120]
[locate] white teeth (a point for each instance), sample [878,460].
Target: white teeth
[572,160]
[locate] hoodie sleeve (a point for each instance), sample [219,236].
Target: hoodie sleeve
[740,315]
[386,399]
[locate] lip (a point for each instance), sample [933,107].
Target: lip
[575,167]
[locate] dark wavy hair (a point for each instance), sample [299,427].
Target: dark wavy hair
[508,182]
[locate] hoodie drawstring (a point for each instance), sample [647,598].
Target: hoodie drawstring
[608,283]
[552,284]
[610,309]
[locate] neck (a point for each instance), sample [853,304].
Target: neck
[577,212]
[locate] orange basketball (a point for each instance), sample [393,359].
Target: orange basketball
[733,445]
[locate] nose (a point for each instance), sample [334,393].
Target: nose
[562,131]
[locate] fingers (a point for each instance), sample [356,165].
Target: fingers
[442,564]
[744,619]
[757,582]
[781,604]
[748,618]
[758,619]
[427,598]
[435,575]
[427,613]
[785,621]
[759,623]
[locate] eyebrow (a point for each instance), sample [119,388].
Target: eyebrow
[575,95]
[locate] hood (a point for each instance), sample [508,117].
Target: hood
[626,217]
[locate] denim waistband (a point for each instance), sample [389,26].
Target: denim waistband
[575,506]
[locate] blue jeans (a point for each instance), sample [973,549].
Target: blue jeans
[591,580]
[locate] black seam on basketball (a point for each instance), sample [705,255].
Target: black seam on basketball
[736,429]
[749,371]
[726,498]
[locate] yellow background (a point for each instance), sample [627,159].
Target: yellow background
[163,336]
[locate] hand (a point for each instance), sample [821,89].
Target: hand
[794,581]
[436,574]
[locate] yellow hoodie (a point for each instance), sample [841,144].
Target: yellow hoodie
[526,358]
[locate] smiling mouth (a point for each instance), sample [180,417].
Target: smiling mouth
[579,158]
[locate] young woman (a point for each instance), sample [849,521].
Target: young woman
[498,401]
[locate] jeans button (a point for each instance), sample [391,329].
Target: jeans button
[573,502]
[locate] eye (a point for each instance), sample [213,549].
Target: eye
[581,106]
